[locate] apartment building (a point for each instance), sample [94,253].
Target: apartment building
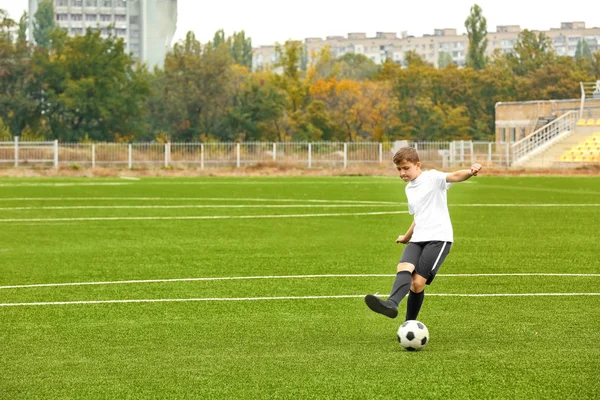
[430,47]
[146,26]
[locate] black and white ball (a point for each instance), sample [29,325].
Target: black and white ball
[413,335]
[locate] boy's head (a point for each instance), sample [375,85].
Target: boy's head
[407,163]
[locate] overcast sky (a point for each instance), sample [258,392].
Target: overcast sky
[270,21]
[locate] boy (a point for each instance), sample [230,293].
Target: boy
[429,237]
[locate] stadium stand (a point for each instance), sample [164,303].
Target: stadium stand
[585,151]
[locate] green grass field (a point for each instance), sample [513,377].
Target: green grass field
[252,288]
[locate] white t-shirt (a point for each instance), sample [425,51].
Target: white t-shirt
[428,202]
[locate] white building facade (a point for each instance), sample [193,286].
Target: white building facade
[430,47]
[147,27]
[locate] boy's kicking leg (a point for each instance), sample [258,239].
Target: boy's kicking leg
[401,287]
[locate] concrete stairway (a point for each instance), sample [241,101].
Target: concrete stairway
[549,157]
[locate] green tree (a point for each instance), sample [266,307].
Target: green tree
[44,24]
[17,105]
[5,134]
[445,59]
[583,50]
[258,107]
[476,25]
[240,47]
[530,53]
[198,90]
[89,88]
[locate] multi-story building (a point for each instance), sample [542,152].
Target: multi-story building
[430,47]
[146,26]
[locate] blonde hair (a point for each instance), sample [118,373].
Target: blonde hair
[406,154]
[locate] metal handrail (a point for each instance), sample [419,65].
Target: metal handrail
[534,140]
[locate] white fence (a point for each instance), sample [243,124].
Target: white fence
[230,155]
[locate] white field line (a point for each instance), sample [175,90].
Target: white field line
[214,299]
[199,217]
[236,278]
[128,207]
[64,184]
[130,178]
[192,199]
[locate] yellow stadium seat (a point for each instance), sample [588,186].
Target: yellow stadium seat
[581,122]
[591,122]
[598,122]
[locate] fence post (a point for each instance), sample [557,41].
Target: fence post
[55,153]
[16,151]
[507,154]
[237,162]
[345,155]
[93,155]
[167,154]
[274,151]
[309,155]
[201,155]
[489,153]
[472,152]
[129,156]
[380,153]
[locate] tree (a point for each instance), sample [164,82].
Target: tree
[198,90]
[89,88]
[445,59]
[17,106]
[583,50]
[241,49]
[530,53]
[476,25]
[44,24]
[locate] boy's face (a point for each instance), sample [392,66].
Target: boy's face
[408,171]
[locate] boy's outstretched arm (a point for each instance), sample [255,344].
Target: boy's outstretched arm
[406,237]
[463,174]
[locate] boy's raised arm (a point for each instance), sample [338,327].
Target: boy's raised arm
[463,174]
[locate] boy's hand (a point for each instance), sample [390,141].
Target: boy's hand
[475,168]
[403,239]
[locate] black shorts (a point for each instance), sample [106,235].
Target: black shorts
[427,257]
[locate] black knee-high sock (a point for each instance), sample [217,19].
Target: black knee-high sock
[413,304]
[401,286]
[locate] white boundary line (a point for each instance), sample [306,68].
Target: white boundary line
[190,199]
[354,296]
[235,278]
[182,206]
[194,217]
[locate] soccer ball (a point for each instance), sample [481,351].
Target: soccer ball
[413,335]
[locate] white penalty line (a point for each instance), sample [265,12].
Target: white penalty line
[199,217]
[235,278]
[271,298]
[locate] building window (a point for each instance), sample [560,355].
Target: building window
[120,32]
[91,17]
[76,17]
[120,18]
[77,3]
[134,19]
[62,17]
[121,3]
[105,17]
[513,133]
[91,3]
[62,3]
